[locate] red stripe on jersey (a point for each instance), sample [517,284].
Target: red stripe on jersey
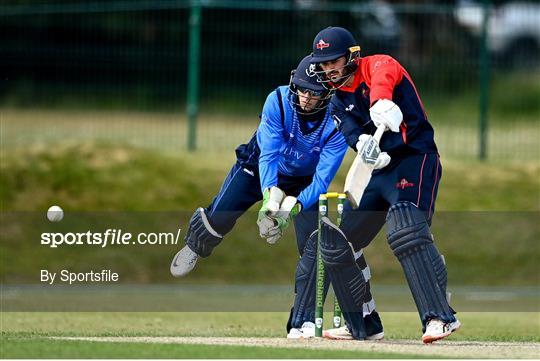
[433,189]
[415,91]
[420,183]
[403,128]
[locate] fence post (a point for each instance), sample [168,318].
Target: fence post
[484,83]
[193,73]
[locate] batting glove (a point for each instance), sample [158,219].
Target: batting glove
[386,112]
[371,153]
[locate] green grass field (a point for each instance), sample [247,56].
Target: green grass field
[479,208]
[243,335]
[134,162]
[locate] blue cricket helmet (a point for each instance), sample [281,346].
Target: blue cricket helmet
[304,79]
[332,43]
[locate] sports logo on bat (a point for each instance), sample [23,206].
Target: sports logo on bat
[370,152]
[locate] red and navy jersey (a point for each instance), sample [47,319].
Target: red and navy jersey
[382,77]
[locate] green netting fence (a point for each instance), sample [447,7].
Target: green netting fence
[193,75]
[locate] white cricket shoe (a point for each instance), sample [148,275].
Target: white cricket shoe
[183,262]
[306,331]
[342,333]
[436,330]
[295,333]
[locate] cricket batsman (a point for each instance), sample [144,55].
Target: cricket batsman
[370,92]
[288,163]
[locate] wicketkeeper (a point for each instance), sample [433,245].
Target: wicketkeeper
[375,91]
[290,160]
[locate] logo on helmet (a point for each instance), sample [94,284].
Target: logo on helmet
[322,44]
[311,70]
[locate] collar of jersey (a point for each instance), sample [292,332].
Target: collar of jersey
[358,79]
[303,126]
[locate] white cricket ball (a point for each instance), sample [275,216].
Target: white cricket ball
[55,214]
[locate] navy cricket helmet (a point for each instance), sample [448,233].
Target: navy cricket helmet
[330,44]
[303,80]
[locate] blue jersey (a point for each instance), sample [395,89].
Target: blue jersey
[289,147]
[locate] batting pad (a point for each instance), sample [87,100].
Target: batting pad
[411,241]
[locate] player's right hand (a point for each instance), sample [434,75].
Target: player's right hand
[268,227]
[371,154]
[272,198]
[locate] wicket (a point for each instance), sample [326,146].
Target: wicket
[319,292]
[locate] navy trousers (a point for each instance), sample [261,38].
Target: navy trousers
[415,179]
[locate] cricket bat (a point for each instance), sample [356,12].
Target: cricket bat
[360,174]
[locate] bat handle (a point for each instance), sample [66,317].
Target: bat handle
[379,132]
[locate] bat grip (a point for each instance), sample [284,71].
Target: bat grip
[379,132]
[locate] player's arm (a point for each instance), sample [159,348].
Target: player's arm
[270,140]
[332,155]
[383,74]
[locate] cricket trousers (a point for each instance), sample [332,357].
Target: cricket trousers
[414,178]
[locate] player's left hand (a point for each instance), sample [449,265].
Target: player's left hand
[270,230]
[289,208]
[370,152]
[387,113]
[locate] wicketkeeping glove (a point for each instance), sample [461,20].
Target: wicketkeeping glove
[290,207]
[386,112]
[371,153]
[268,226]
